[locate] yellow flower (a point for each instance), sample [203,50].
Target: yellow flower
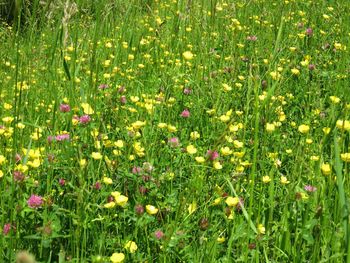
[1,173]
[199,159]
[217,165]
[266,179]
[195,135]
[284,180]
[326,168]
[2,159]
[187,55]
[261,229]
[151,210]
[225,151]
[232,201]
[221,239]
[131,246]
[107,180]
[192,207]
[138,124]
[217,201]
[295,71]
[7,119]
[82,162]
[96,155]
[87,108]
[191,149]
[343,125]
[109,205]
[117,257]
[226,87]
[345,157]
[121,200]
[270,127]
[119,144]
[303,128]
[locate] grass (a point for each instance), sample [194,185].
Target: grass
[175,131]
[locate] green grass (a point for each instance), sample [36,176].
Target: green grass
[261,90]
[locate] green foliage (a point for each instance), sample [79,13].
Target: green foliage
[174,131]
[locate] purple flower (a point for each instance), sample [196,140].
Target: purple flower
[62,137]
[187,91]
[18,176]
[309,32]
[312,67]
[158,234]
[123,100]
[173,142]
[35,201]
[185,114]
[6,229]
[213,155]
[103,86]
[310,188]
[136,170]
[139,209]
[64,108]
[85,119]
[252,38]
[97,186]
[61,181]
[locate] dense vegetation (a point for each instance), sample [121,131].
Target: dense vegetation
[174,131]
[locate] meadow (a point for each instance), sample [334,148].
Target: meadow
[175,131]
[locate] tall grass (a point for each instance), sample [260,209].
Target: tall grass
[174,131]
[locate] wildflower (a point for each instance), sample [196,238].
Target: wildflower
[24,256]
[266,179]
[173,142]
[151,210]
[192,207]
[187,91]
[232,201]
[187,55]
[199,159]
[343,125]
[284,180]
[109,205]
[64,108]
[35,201]
[158,234]
[96,155]
[195,135]
[85,119]
[345,157]
[103,86]
[117,257]
[62,137]
[131,246]
[217,165]
[270,127]
[6,229]
[309,32]
[87,108]
[191,149]
[326,168]
[185,114]
[261,229]
[295,71]
[107,180]
[139,209]
[121,200]
[310,188]
[303,128]
[221,239]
